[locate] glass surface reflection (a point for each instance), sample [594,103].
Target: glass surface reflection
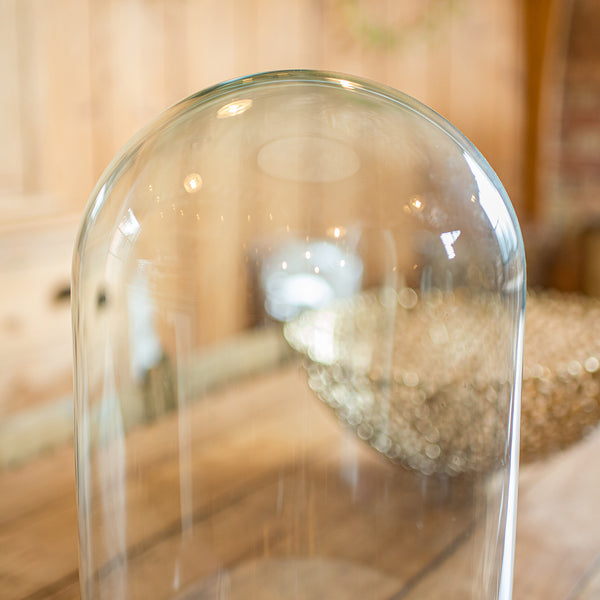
[303,378]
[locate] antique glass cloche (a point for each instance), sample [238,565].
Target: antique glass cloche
[298,304]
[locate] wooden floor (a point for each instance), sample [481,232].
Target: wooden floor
[558,539]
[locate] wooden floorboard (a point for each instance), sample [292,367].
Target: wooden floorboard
[238,522]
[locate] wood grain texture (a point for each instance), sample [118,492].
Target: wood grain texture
[559,534]
[11,154]
[331,498]
[35,336]
[557,538]
[81,77]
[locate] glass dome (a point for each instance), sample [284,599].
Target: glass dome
[298,303]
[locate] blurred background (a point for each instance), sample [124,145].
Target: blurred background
[521,78]
[79,77]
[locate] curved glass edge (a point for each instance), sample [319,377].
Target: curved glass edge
[128,152]
[318,77]
[508,553]
[477,162]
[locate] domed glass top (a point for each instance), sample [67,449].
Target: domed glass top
[298,304]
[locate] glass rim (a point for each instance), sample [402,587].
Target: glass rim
[327,78]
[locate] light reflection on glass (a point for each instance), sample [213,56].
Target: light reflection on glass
[494,208]
[407,298]
[232,109]
[336,232]
[448,238]
[129,226]
[295,278]
[417,204]
[192,183]
[414,206]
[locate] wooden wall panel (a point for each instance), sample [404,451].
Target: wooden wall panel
[11,148]
[83,77]
[127,72]
[48,117]
[80,77]
[209,58]
[65,60]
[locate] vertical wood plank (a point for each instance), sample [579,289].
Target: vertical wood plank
[33,85]
[67,133]
[171,52]
[54,99]
[537,22]
[278,35]
[127,72]
[211,42]
[11,149]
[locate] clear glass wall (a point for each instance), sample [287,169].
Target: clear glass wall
[298,310]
